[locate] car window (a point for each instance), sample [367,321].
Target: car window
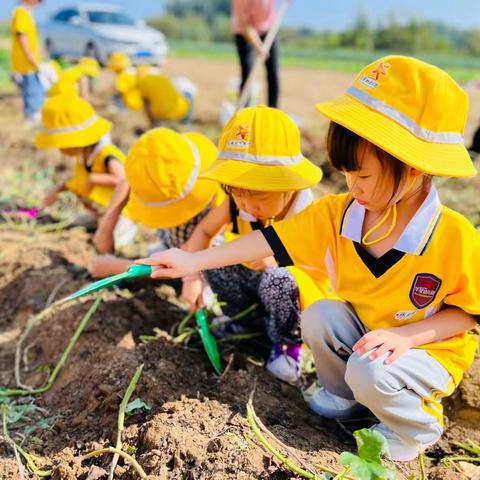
[117,18]
[66,15]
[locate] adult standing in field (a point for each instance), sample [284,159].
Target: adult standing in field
[26,58]
[251,21]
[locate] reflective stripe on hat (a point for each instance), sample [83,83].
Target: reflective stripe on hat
[260,159]
[188,187]
[399,117]
[72,128]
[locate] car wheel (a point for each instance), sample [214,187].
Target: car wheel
[50,49]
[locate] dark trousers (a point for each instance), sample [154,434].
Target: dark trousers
[476,141]
[246,55]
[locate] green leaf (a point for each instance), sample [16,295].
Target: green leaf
[44,424]
[367,465]
[371,444]
[137,404]
[131,450]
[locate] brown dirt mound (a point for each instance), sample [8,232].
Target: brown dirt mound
[197,426]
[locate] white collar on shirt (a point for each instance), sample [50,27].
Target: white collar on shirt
[302,200]
[104,141]
[416,235]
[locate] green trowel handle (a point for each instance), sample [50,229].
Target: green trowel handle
[139,271]
[133,272]
[208,340]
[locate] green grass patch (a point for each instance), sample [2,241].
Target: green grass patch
[462,68]
[5,81]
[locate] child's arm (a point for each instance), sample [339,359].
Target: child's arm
[148,111]
[208,228]
[115,175]
[444,324]
[102,266]
[103,238]
[175,263]
[84,87]
[51,197]
[27,50]
[201,237]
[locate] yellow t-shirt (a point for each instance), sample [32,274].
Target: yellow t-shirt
[23,22]
[310,290]
[68,81]
[79,183]
[126,83]
[434,263]
[166,102]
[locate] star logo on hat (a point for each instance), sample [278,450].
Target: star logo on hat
[380,70]
[242,132]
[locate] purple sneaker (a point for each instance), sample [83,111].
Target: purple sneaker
[285,362]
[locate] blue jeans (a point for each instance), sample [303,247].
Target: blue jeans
[32,93]
[188,116]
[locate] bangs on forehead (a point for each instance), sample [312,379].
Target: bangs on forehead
[344,148]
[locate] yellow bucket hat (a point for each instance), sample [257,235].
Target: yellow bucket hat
[118,62]
[162,169]
[260,150]
[410,109]
[89,66]
[69,121]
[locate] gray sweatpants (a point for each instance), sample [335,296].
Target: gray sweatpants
[405,396]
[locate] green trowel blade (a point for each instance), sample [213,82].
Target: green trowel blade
[132,272]
[208,340]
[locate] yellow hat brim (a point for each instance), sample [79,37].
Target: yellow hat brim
[266,178]
[440,159]
[177,213]
[82,138]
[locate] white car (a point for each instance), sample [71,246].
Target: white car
[97,30]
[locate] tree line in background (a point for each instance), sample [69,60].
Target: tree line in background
[209,21]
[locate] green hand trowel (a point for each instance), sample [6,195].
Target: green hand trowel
[208,340]
[133,272]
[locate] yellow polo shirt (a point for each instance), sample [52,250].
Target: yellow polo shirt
[435,262]
[166,102]
[310,291]
[79,183]
[23,22]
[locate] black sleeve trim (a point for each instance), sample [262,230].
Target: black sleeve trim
[233,214]
[279,251]
[109,159]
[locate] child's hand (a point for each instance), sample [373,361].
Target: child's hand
[192,289]
[49,199]
[262,264]
[173,263]
[384,340]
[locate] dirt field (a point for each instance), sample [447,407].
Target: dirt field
[197,427]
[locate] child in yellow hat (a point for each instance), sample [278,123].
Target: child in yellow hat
[166,100]
[404,265]
[118,62]
[26,58]
[261,191]
[127,94]
[71,125]
[77,79]
[161,191]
